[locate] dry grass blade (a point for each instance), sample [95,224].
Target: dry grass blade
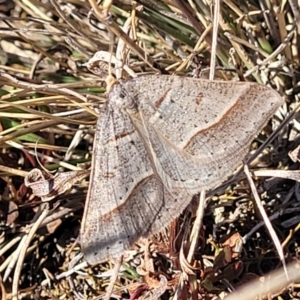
[274,284]
[113,278]
[9,266]
[266,220]
[293,175]
[196,227]
[214,40]
[24,248]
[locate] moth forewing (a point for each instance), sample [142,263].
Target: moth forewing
[204,158]
[124,199]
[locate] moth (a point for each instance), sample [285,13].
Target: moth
[159,141]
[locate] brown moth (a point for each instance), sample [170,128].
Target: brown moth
[159,141]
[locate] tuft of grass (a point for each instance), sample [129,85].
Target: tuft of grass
[49,97]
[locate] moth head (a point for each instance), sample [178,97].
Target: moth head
[119,97]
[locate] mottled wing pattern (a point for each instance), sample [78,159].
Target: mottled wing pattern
[200,130]
[160,140]
[125,197]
